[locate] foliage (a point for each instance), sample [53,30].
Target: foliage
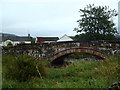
[32,41]
[96,23]
[83,74]
[23,42]
[9,44]
[22,68]
[89,37]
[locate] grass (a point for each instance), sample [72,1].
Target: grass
[83,74]
[22,68]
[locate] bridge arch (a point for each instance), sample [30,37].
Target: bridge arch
[69,51]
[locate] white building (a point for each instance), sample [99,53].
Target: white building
[119,17]
[65,38]
[14,40]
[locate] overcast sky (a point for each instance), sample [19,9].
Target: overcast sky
[45,17]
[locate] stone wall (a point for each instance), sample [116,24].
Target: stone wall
[44,50]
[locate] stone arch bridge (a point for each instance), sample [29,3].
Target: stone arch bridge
[52,51]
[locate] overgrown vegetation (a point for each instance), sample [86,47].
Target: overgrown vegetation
[83,74]
[23,42]
[9,44]
[22,68]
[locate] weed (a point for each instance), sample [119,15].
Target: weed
[22,68]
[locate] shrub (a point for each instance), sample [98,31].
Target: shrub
[7,58]
[9,44]
[24,67]
[23,42]
[32,41]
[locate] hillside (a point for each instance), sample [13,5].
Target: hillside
[7,35]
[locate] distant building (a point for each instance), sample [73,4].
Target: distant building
[119,17]
[66,38]
[46,39]
[6,38]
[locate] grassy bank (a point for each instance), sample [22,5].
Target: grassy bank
[83,74]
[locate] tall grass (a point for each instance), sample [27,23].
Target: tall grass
[22,68]
[83,74]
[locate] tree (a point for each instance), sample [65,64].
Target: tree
[9,44]
[96,23]
[32,41]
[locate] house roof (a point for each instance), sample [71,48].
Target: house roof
[65,38]
[39,39]
[24,38]
[15,38]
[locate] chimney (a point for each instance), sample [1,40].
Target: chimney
[29,35]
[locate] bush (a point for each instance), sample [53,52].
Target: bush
[7,58]
[23,42]
[32,41]
[9,44]
[24,67]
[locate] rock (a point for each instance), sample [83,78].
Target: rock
[115,85]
